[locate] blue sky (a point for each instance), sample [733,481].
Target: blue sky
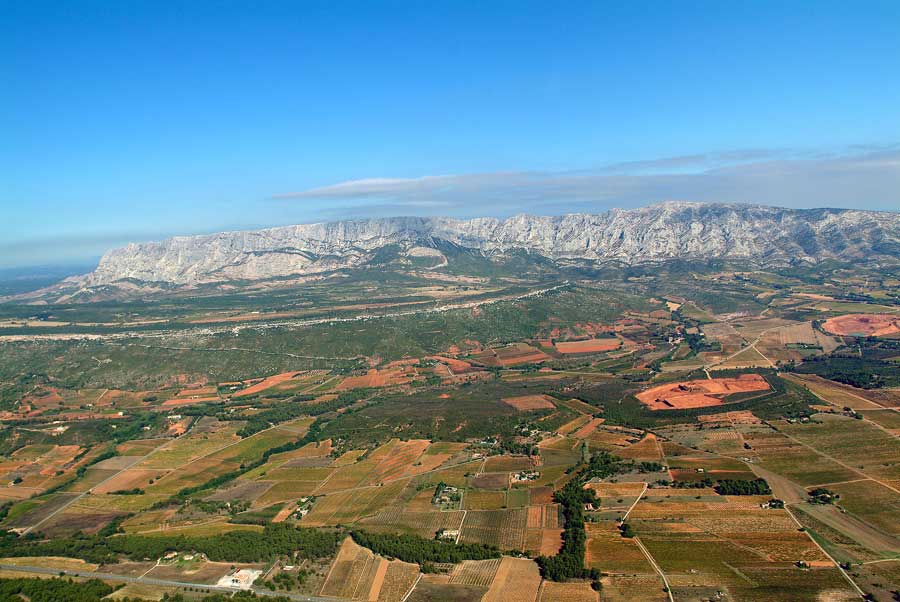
[138,120]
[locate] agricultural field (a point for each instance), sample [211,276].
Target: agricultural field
[510,355]
[527,403]
[714,541]
[613,554]
[704,420]
[784,456]
[588,346]
[837,436]
[358,574]
[843,395]
[504,529]
[515,579]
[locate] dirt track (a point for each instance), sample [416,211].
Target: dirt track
[852,527]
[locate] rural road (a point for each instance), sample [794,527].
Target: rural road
[792,493]
[840,462]
[655,566]
[750,345]
[87,491]
[881,408]
[140,459]
[162,582]
[265,325]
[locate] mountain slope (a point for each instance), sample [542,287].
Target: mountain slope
[650,234]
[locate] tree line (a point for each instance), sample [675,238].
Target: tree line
[312,435]
[743,487]
[569,561]
[295,408]
[93,590]
[424,552]
[278,539]
[53,590]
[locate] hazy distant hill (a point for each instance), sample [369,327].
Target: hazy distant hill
[651,234]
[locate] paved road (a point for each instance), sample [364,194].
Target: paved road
[163,582]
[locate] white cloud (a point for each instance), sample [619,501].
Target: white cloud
[860,177]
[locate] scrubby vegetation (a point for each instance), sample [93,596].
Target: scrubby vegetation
[53,590]
[362,467]
[293,408]
[867,372]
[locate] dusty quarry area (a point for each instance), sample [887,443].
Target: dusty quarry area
[699,393]
[863,325]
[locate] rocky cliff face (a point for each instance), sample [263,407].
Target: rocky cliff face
[650,234]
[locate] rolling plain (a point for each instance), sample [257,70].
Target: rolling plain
[681,433]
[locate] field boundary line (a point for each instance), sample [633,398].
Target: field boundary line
[640,495]
[409,593]
[461,523]
[829,556]
[743,349]
[362,573]
[837,405]
[322,484]
[330,569]
[224,447]
[145,573]
[851,394]
[833,459]
[839,482]
[87,491]
[737,572]
[160,529]
[655,566]
[659,448]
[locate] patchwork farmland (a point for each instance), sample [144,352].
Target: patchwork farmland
[735,440]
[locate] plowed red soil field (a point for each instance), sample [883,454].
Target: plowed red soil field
[863,325]
[526,403]
[699,393]
[588,346]
[267,383]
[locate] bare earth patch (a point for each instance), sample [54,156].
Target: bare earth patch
[588,346]
[863,325]
[527,403]
[699,393]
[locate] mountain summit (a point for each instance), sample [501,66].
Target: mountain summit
[674,230]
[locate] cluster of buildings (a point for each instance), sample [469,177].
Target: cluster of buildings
[239,578]
[446,495]
[526,475]
[304,505]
